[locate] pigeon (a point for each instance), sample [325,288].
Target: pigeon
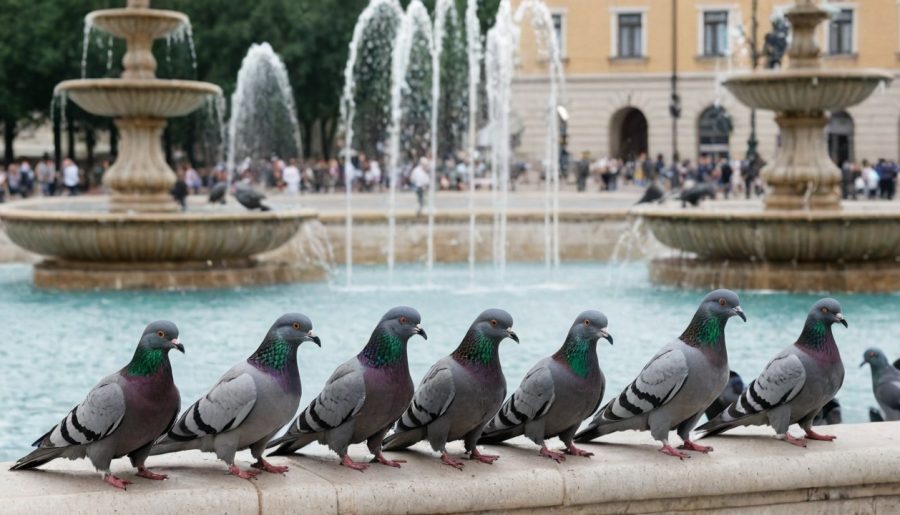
[249,404]
[363,397]
[795,385]
[829,415]
[122,415]
[732,391]
[250,198]
[678,384]
[697,193]
[217,193]
[460,394]
[557,393]
[885,383]
[653,193]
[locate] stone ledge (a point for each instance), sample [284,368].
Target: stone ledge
[748,472]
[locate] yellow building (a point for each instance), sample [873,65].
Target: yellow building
[619,57]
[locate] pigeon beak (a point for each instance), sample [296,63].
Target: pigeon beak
[740,312]
[841,319]
[513,335]
[421,331]
[606,335]
[176,343]
[314,338]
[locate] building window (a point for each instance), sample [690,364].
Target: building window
[715,33]
[714,130]
[559,32]
[840,33]
[630,43]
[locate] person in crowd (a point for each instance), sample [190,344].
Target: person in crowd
[28,178]
[192,179]
[420,180]
[291,177]
[870,174]
[704,168]
[725,176]
[14,180]
[887,179]
[2,185]
[374,175]
[180,189]
[659,167]
[583,170]
[71,176]
[46,175]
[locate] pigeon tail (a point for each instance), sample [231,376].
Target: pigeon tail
[167,445]
[501,434]
[604,427]
[38,457]
[263,207]
[404,439]
[291,443]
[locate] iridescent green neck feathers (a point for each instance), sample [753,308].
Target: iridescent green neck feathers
[384,349]
[145,361]
[476,348]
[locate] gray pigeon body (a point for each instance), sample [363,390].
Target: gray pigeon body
[363,397]
[250,198]
[122,415]
[885,383]
[558,393]
[217,193]
[460,393]
[678,384]
[697,193]
[250,403]
[653,193]
[795,385]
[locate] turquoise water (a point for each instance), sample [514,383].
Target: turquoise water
[56,345]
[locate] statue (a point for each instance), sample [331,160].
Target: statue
[776,43]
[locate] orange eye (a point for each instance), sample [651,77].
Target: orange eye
[824,310]
[493,322]
[161,334]
[296,326]
[722,302]
[587,322]
[403,320]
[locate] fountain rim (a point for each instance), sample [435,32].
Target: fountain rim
[110,83]
[27,211]
[791,74]
[135,13]
[766,215]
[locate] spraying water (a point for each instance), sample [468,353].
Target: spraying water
[473,53]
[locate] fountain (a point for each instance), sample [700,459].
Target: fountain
[804,239]
[135,238]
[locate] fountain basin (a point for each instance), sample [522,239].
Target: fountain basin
[805,90]
[124,23]
[155,98]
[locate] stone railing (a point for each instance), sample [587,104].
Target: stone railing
[749,472]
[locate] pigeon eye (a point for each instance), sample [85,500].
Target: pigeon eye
[493,323]
[587,322]
[403,320]
[824,310]
[296,326]
[721,301]
[161,334]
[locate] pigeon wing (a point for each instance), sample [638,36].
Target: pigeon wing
[431,400]
[532,400]
[96,417]
[341,399]
[222,409]
[656,385]
[779,382]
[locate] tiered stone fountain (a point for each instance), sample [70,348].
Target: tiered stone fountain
[804,238]
[136,238]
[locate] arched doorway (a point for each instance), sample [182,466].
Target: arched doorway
[714,132]
[840,137]
[628,133]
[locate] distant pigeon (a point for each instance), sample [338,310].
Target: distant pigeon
[460,394]
[123,415]
[558,393]
[679,383]
[250,198]
[829,415]
[795,385]
[697,193]
[250,403]
[217,193]
[363,397]
[732,391]
[653,193]
[885,383]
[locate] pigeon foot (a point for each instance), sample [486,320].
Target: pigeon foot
[234,470]
[484,458]
[447,460]
[671,451]
[149,474]
[575,451]
[347,462]
[116,482]
[380,458]
[812,435]
[555,456]
[691,446]
[268,467]
[799,442]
